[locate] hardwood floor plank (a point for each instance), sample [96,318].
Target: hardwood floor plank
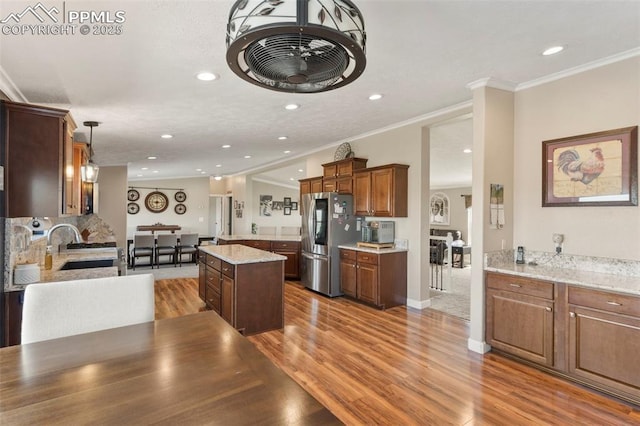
[406,366]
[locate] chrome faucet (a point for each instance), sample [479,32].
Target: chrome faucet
[76,232]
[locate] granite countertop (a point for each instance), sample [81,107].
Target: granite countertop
[260,237]
[598,280]
[237,254]
[59,259]
[372,250]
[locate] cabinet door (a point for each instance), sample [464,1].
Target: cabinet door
[13,301]
[604,348]
[348,278]
[202,279]
[227,296]
[329,171]
[367,283]
[329,185]
[305,187]
[316,185]
[521,325]
[382,192]
[292,264]
[362,194]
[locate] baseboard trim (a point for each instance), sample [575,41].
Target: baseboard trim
[477,346]
[419,304]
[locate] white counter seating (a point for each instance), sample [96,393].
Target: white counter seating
[66,308]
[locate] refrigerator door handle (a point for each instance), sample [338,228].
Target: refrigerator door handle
[313,256]
[312,222]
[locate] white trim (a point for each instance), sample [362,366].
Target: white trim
[418,304]
[579,69]
[494,83]
[476,346]
[9,88]
[272,182]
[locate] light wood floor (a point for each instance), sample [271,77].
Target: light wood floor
[404,366]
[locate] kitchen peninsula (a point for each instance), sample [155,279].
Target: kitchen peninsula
[244,285]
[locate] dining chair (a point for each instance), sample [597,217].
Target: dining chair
[167,244]
[188,245]
[143,246]
[66,308]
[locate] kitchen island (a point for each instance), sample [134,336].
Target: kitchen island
[244,285]
[285,245]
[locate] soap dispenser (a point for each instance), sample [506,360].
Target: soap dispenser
[48,259]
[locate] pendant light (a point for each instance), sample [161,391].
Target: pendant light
[296,46]
[90,171]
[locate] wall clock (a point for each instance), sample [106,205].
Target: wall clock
[180,208]
[156,202]
[133,208]
[133,195]
[180,196]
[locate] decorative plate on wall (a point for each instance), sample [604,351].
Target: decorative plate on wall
[342,152]
[156,202]
[180,208]
[133,195]
[180,196]
[133,208]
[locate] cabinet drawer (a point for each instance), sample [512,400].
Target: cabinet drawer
[228,269]
[285,245]
[369,258]
[604,300]
[213,262]
[212,298]
[258,244]
[521,285]
[348,255]
[213,279]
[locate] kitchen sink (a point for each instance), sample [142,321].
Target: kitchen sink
[83,264]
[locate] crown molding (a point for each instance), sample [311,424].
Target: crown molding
[10,89]
[493,83]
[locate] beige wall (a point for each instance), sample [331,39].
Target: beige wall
[112,200]
[195,219]
[278,218]
[601,99]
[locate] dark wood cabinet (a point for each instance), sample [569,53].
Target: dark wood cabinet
[249,296]
[376,279]
[202,277]
[291,250]
[381,191]
[13,301]
[604,340]
[519,318]
[37,148]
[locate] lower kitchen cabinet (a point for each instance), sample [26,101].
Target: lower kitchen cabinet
[249,296]
[520,317]
[13,301]
[288,249]
[202,277]
[604,340]
[376,279]
[587,335]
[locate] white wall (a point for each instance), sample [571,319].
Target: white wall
[277,218]
[196,218]
[112,200]
[601,99]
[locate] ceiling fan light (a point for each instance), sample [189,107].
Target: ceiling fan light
[298,46]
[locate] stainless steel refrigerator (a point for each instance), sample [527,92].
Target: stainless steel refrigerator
[327,222]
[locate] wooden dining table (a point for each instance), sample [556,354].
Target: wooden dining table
[194,369]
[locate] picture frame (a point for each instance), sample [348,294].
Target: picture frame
[287,211]
[595,169]
[287,201]
[294,205]
[439,209]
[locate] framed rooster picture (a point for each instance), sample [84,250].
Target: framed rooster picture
[596,169]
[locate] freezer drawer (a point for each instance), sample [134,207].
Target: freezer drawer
[316,272]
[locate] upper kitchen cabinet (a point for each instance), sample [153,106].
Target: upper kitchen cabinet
[381,191]
[338,175]
[36,150]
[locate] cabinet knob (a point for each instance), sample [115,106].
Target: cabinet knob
[548,309]
[611,302]
[572,314]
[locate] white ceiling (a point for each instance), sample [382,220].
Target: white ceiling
[420,56]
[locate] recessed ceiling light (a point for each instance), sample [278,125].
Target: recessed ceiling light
[226,146]
[291,179]
[144,168]
[140,175]
[156,171]
[203,172]
[152,158]
[375,97]
[553,50]
[287,152]
[206,76]
[282,138]
[218,178]
[166,136]
[247,156]
[467,151]
[291,107]
[218,165]
[300,170]
[198,170]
